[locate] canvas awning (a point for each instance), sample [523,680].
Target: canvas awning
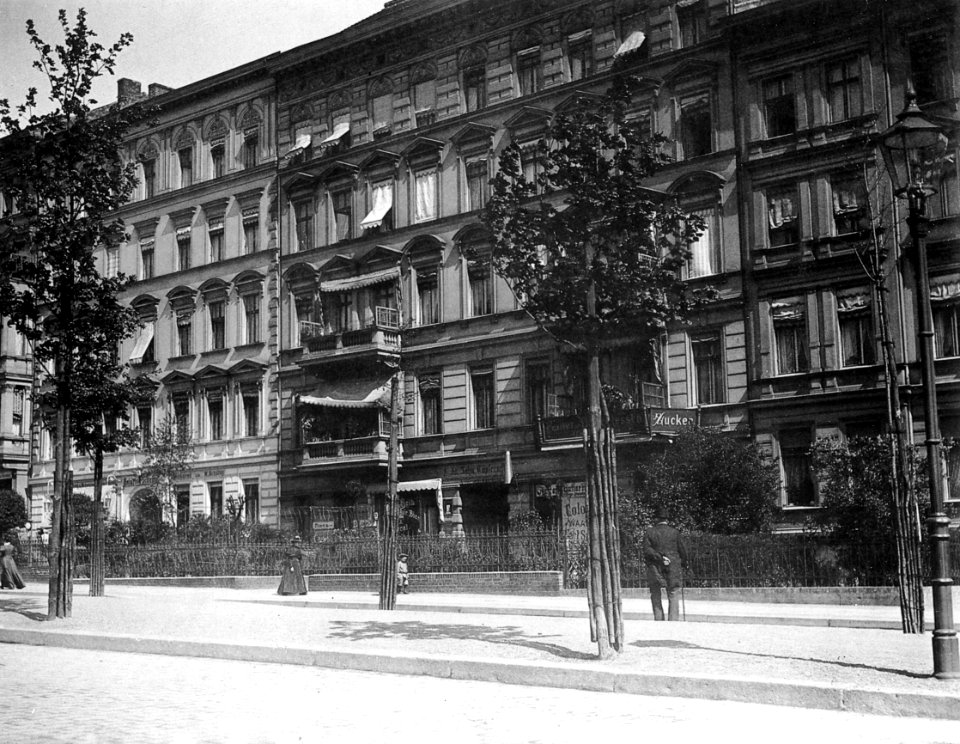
[358,282]
[382,203]
[632,42]
[338,131]
[143,341]
[350,394]
[434,485]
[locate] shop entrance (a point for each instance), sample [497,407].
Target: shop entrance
[485,507]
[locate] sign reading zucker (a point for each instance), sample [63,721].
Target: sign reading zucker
[670,420]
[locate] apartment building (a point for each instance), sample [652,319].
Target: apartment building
[308,228]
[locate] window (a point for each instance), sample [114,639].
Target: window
[484,404]
[217,324]
[145,420]
[181,414]
[146,260]
[19,404]
[779,106]
[182,495]
[580,55]
[149,178]
[843,90]
[215,417]
[303,213]
[112,262]
[529,75]
[183,250]
[783,219]
[383,113]
[305,318]
[431,403]
[705,250]
[380,215]
[251,318]
[428,297]
[425,102]
[342,213]
[692,22]
[425,185]
[251,233]
[216,244]
[250,155]
[185,158]
[790,337]
[475,89]
[251,413]
[218,160]
[538,390]
[481,288]
[251,500]
[946,318]
[696,131]
[850,207]
[708,368]
[797,467]
[930,67]
[184,334]
[216,499]
[856,328]
[530,165]
[477,184]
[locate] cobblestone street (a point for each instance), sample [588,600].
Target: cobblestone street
[86,697]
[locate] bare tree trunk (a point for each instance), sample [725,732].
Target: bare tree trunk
[603,575]
[388,558]
[96,528]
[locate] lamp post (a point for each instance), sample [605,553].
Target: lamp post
[913,149]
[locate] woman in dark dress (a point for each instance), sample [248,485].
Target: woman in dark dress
[291,582]
[9,574]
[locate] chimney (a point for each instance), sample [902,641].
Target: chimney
[156,89]
[128,91]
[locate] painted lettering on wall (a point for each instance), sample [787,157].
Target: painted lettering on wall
[671,420]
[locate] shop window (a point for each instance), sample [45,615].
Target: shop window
[342,213]
[692,22]
[930,67]
[790,337]
[431,403]
[475,89]
[478,184]
[251,413]
[428,297]
[216,498]
[797,464]
[851,212]
[251,318]
[538,390]
[696,130]
[783,216]
[185,158]
[484,402]
[217,312]
[425,202]
[708,368]
[303,215]
[218,160]
[843,89]
[945,302]
[529,72]
[580,56]
[779,106]
[857,345]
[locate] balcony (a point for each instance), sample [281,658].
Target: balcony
[375,342]
[553,431]
[371,449]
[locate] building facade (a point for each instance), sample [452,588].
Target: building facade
[308,230]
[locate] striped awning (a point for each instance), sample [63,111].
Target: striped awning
[363,280]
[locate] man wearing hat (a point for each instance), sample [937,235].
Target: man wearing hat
[403,581]
[666,556]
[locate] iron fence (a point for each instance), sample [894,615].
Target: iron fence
[714,560]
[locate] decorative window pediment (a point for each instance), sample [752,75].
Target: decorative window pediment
[184,139]
[474,139]
[182,299]
[146,307]
[339,171]
[302,279]
[216,130]
[473,56]
[379,257]
[248,282]
[423,152]
[380,161]
[528,122]
[214,290]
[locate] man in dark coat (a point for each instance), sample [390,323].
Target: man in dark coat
[666,555]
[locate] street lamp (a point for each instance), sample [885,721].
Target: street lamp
[913,149]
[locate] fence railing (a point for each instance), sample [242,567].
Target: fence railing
[713,560]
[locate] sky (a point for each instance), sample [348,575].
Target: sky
[175,42]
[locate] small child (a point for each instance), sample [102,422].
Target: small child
[403,582]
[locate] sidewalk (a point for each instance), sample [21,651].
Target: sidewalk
[750,655]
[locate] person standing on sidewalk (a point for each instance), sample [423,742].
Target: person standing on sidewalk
[9,573]
[292,581]
[666,556]
[403,575]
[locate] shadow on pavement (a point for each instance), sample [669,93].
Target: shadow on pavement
[844,664]
[415,630]
[23,606]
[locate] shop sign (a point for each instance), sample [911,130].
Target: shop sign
[326,524]
[574,502]
[671,420]
[472,472]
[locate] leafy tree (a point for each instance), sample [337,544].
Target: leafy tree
[595,258]
[710,481]
[65,175]
[13,511]
[166,462]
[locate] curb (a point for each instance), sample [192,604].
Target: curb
[825,697]
[812,622]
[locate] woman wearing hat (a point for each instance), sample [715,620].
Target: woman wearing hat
[403,579]
[291,582]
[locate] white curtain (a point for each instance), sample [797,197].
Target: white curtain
[780,210]
[426,196]
[703,259]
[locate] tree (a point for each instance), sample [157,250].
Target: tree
[595,258]
[711,482]
[13,511]
[64,172]
[166,462]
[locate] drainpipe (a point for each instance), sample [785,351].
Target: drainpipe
[279,280]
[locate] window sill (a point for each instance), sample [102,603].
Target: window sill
[181,357]
[250,346]
[800,508]
[214,352]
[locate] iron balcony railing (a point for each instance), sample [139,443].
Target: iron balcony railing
[555,429]
[383,332]
[373,447]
